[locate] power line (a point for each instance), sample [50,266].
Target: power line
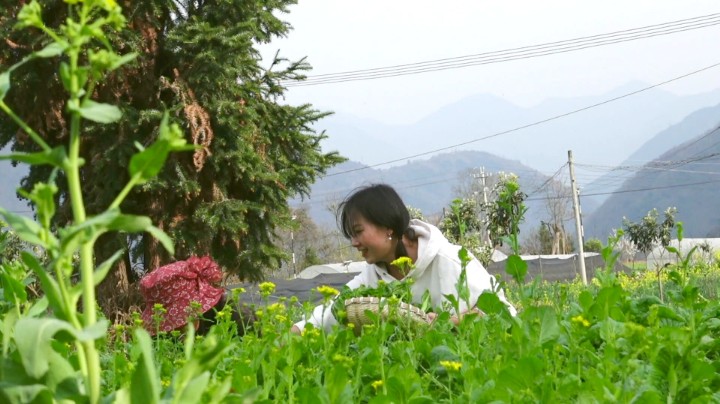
[524,52]
[528,125]
[557,172]
[633,190]
[658,165]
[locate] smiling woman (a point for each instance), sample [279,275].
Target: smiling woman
[378,224]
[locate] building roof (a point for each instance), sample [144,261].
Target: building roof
[347,267]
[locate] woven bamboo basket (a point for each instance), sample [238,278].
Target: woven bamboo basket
[357,307]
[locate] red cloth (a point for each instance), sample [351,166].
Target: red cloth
[175,286]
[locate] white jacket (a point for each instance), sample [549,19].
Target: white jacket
[437,270]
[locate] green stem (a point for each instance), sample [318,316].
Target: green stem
[125,191]
[24,126]
[72,170]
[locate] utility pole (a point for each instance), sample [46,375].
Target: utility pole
[292,247]
[482,176]
[578,223]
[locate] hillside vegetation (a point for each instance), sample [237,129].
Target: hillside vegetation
[685,177]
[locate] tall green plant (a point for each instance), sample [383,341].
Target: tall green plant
[649,233]
[505,214]
[35,367]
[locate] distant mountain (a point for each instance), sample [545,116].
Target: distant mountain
[691,184]
[429,185]
[608,132]
[695,124]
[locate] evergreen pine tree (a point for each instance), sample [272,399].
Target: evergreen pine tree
[199,60]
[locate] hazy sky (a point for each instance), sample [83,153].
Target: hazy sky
[347,35]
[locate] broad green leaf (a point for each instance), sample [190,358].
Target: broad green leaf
[422,400]
[189,343]
[121,396]
[33,337]
[521,375]
[29,393]
[4,84]
[13,289]
[516,267]
[204,358]
[93,332]
[221,391]
[163,238]
[665,312]
[55,157]
[146,164]
[99,112]
[51,50]
[65,76]
[490,303]
[130,223]
[8,324]
[463,255]
[43,195]
[49,285]
[39,307]
[102,270]
[144,384]
[193,391]
[126,58]
[62,379]
[89,229]
[585,299]
[25,228]
[549,326]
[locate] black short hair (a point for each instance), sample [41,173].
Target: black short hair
[380,205]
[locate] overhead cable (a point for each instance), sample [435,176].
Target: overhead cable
[505,132]
[514,53]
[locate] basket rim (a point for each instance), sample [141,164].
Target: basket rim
[372,303]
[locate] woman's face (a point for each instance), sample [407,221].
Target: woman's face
[372,241]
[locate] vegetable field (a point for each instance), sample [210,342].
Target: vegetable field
[611,341]
[649,337]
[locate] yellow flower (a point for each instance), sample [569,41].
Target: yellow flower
[237,292]
[310,332]
[404,263]
[223,314]
[327,291]
[451,366]
[377,384]
[343,360]
[580,320]
[267,288]
[276,308]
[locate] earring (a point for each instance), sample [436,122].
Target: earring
[389,237]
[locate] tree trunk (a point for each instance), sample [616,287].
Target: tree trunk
[155,254]
[113,293]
